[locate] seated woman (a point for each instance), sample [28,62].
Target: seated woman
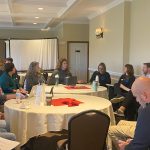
[104,77]
[6,80]
[62,70]
[129,105]
[15,76]
[33,76]
[124,84]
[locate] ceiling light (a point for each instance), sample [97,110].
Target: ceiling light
[40,8]
[34,23]
[36,17]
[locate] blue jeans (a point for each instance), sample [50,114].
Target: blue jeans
[4,133]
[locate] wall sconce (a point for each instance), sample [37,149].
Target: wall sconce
[99,33]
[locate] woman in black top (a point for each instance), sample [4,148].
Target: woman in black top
[62,70]
[104,77]
[122,89]
[125,82]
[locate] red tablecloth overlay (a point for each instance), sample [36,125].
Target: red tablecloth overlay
[76,87]
[65,101]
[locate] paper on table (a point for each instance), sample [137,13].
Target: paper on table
[7,144]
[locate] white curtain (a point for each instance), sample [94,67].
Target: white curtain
[44,51]
[7,48]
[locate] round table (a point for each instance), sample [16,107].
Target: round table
[26,123]
[60,89]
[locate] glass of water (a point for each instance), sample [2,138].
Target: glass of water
[18,97]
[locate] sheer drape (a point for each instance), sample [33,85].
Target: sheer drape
[43,51]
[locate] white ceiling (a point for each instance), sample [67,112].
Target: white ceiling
[22,13]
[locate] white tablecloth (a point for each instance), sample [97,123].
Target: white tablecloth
[26,123]
[60,89]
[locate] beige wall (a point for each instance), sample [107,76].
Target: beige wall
[25,34]
[126,36]
[64,32]
[110,48]
[126,33]
[59,33]
[70,32]
[140,33]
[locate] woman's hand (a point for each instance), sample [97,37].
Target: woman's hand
[23,91]
[123,144]
[124,88]
[14,91]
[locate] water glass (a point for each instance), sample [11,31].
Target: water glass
[18,97]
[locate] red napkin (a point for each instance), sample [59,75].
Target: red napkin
[65,101]
[76,87]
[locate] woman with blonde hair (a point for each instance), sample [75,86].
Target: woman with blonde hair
[33,76]
[103,75]
[62,70]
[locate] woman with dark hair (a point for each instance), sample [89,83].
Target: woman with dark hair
[62,70]
[129,106]
[8,60]
[15,76]
[124,84]
[104,77]
[8,85]
[7,82]
[33,76]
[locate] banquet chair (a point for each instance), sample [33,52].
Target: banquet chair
[45,75]
[110,88]
[86,131]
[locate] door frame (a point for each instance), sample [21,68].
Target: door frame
[87,42]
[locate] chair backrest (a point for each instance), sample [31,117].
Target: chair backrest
[88,131]
[45,75]
[51,80]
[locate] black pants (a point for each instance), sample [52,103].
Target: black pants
[131,106]
[115,90]
[118,91]
[129,99]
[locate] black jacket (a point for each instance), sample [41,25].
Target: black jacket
[103,78]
